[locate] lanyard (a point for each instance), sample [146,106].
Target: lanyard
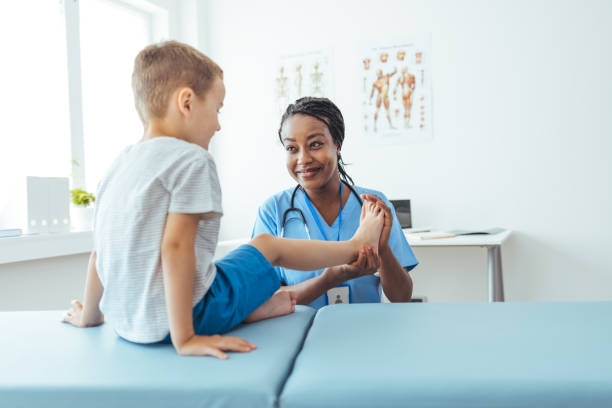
[314,214]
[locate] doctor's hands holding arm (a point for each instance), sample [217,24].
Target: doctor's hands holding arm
[395,280]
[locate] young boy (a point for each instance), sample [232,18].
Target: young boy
[157,223]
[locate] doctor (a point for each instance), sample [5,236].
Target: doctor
[326,205]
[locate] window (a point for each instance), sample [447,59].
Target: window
[111,35]
[35,136]
[66,81]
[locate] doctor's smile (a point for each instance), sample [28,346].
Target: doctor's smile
[308,173]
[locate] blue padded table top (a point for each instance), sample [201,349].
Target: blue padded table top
[455,355]
[44,363]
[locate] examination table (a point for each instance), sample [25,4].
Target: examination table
[361,355]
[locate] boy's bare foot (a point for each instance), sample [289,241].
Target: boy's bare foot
[281,303]
[370,225]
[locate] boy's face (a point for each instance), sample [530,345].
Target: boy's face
[205,119]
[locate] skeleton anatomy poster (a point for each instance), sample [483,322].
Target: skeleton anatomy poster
[396,92]
[306,74]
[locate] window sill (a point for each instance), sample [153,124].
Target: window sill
[40,246]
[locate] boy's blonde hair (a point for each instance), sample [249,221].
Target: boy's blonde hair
[160,69]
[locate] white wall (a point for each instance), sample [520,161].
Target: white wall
[44,284]
[521,91]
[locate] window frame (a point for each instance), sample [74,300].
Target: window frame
[158,11]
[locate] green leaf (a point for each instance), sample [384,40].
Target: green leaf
[82,197]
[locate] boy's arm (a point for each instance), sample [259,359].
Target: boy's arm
[179,265]
[88,315]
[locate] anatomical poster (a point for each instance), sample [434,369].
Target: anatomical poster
[306,74]
[396,91]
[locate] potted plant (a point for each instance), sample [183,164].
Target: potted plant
[82,211]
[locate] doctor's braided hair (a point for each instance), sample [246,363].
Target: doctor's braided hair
[327,112]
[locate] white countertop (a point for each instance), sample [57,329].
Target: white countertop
[484,240]
[38,246]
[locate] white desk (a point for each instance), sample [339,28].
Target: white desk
[491,242]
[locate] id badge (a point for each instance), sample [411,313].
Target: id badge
[339,295]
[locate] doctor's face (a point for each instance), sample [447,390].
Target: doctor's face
[312,156]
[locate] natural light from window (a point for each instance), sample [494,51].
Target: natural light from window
[35,138]
[111,35]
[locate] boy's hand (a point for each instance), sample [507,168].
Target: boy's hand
[74,316]
[214,346]
[386,231]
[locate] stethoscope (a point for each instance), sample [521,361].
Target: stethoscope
[293,208]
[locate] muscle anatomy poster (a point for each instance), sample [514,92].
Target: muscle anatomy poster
[396,91]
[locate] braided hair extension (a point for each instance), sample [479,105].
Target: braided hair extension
[327,112]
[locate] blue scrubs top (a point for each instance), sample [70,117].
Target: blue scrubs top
[365,289]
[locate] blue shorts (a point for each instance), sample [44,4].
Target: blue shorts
[245,280]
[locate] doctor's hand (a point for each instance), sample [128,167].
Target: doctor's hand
[383,243]
[367,263]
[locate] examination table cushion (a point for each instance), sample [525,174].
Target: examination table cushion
[44,363]
[455,355]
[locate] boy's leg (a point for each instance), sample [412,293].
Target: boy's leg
[281,303]
[245,281]
[307,255]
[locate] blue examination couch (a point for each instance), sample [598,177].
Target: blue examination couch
[363,355]
[44,363]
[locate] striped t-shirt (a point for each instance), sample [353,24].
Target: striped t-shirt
[146,182]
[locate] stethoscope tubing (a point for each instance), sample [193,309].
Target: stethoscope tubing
[293,208]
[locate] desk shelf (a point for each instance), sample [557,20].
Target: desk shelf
[493,244]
